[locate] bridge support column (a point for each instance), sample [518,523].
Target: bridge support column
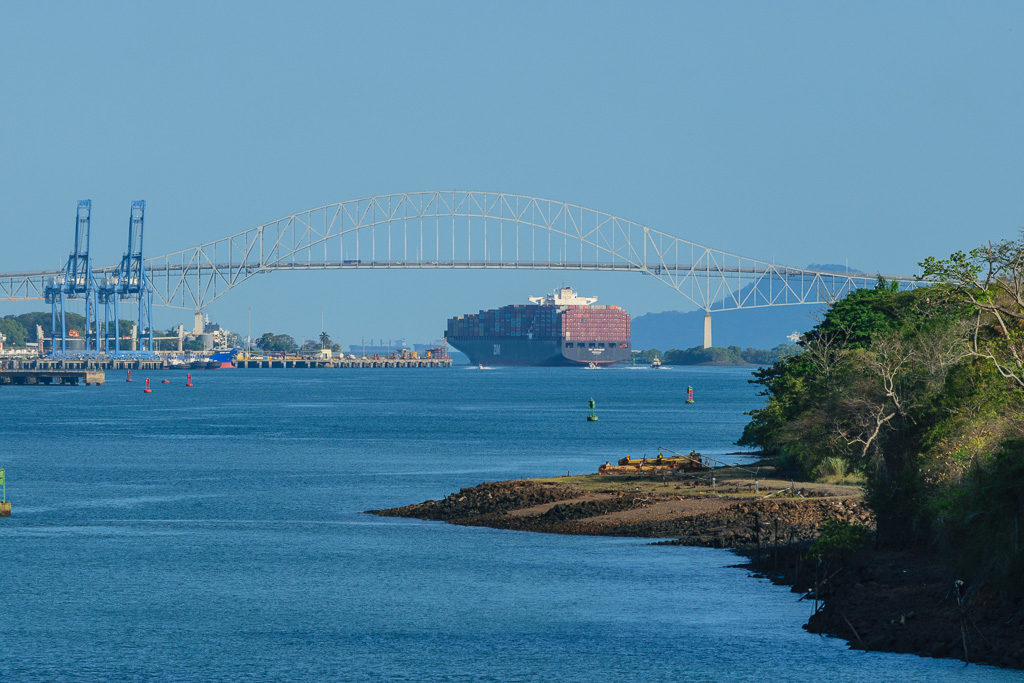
[707,330]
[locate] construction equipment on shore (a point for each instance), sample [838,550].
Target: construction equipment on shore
[630,466]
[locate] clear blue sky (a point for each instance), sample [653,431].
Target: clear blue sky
[873,133]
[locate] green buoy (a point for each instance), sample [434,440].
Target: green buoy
[592,417]
[5,507]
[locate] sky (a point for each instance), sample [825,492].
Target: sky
[872,134]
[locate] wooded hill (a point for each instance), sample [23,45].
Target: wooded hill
[923,393]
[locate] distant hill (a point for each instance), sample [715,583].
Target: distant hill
[833,268]
[759,328]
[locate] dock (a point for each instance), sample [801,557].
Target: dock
[63,377]
[405,363]
[90,369]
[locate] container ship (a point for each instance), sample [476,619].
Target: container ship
[558,329]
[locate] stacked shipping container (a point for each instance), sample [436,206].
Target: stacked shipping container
[543,334]
[595,323]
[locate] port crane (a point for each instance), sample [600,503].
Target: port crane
[75,281]
[127,281]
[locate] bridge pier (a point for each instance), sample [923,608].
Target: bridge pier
[707,330]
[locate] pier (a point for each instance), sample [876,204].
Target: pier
[256,363]
[84,363]
[90,370]
[64,377]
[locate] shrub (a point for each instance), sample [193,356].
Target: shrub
[832,468]
[839,539]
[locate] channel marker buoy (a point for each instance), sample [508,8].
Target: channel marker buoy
[147,390]
[5,505]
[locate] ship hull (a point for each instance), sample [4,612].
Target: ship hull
[526,352]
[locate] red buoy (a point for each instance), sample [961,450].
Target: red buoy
[189,382]
[129,376]
[147,390]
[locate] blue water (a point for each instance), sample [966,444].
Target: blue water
[215,533]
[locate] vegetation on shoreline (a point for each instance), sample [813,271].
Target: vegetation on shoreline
[921,391]
[716,355]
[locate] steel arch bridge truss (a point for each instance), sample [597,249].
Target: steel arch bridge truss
[473,230]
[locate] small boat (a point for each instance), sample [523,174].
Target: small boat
[656,363]
[591,366]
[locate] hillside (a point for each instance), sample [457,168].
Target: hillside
[759,328]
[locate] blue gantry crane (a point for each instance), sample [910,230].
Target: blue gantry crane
[128,281]
[76,281]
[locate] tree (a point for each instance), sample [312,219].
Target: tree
[276,343]
[325,341]
[991,280]
[647,356]
[265,342]
[13,330]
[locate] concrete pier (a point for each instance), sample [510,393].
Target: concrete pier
[51,376]
[267,363]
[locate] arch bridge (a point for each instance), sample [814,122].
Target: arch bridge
[472,230]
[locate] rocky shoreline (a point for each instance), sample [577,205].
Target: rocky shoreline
[884,600]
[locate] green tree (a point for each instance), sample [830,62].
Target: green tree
[276,343]
[265,342]
[647,357]
[698,355]
[770,356]
[13,330]
[990,280]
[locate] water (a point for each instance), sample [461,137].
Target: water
[216,533]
